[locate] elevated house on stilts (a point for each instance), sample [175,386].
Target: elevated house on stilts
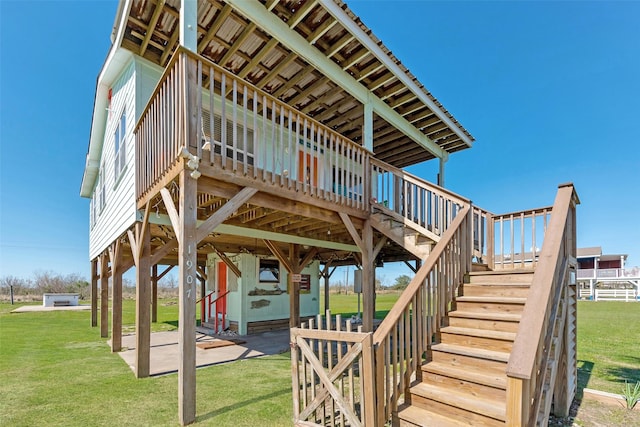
[256,145]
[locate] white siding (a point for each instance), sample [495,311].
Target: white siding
[119,211]
[130,93]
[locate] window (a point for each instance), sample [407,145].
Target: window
[101,190]
[244,149]
[120,147]
[269,271]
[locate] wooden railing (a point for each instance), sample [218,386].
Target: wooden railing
[226,122]
[332,374]
[220,303]
[542,363]
[511,240]
[422,205]
[405,334]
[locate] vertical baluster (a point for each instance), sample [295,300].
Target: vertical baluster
[305,166]
[534,249]
[282,149]
[330,354]
[289,149]
[223,119]
[274,115]
[212,116]
[502,241]
[264,147]
[313,159]
[339,355]
[324,155]
[394,363]
[350,374]
[332,153]
[512,246]
[234,129]
[311,372]
[245,148]
[522,247]
[257,139]
[295,156]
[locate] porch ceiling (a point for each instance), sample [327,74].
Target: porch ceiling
[230,40]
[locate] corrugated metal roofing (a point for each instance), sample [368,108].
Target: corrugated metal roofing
[229,39]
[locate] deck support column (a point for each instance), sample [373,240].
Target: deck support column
[187,261]
[326,273]
[368,278]
[116,306]
[143,303]
[294,288]
[94,292]
[154,293]
[104,296]
[441,171]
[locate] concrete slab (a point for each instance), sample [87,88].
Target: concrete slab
[164,349]
[34,308]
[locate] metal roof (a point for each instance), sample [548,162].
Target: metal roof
[243,47]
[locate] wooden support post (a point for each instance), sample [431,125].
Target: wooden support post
[143,302]
[368,278]
[154,293]
[187,259]
[104,296]
[326,273]
[294,288]
[94,292]
[116,306]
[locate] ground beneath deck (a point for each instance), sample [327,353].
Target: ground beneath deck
[165,351]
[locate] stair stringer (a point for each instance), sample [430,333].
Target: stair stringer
[404,235]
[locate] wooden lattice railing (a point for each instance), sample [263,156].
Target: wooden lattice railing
[542,365]
[332,372]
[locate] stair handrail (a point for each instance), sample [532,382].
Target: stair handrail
[417,314]
[532,344]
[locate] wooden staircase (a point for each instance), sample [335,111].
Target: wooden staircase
[464,381]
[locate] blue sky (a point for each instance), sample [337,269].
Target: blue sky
[550,91]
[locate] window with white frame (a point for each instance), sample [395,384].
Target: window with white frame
[120,146]
[102,196]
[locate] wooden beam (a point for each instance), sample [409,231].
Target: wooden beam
[171,211]
[275,250]
[352,230]
[94,292]
[215,26]
[104,296]
[224,212]
[307,259]
[115,256]
[378,247]
[229,263]
[326,275]
[164,273]
[187,260]
[151,27]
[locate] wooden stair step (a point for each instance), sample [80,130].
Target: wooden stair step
[520,290]
[460,402]
[503,317]
[477,338]
[493,299]
[478,353]
[503,276]
[410,416]
[480,333]
[495,321]
[467,373]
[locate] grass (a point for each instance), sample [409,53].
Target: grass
[55,369]
[608,345]
[347,304]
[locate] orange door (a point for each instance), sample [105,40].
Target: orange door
[308,172]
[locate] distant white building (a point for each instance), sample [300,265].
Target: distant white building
[603,277]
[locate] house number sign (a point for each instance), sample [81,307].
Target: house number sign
[189,277]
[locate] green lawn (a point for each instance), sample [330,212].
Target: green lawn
[608,344]
[56,370]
